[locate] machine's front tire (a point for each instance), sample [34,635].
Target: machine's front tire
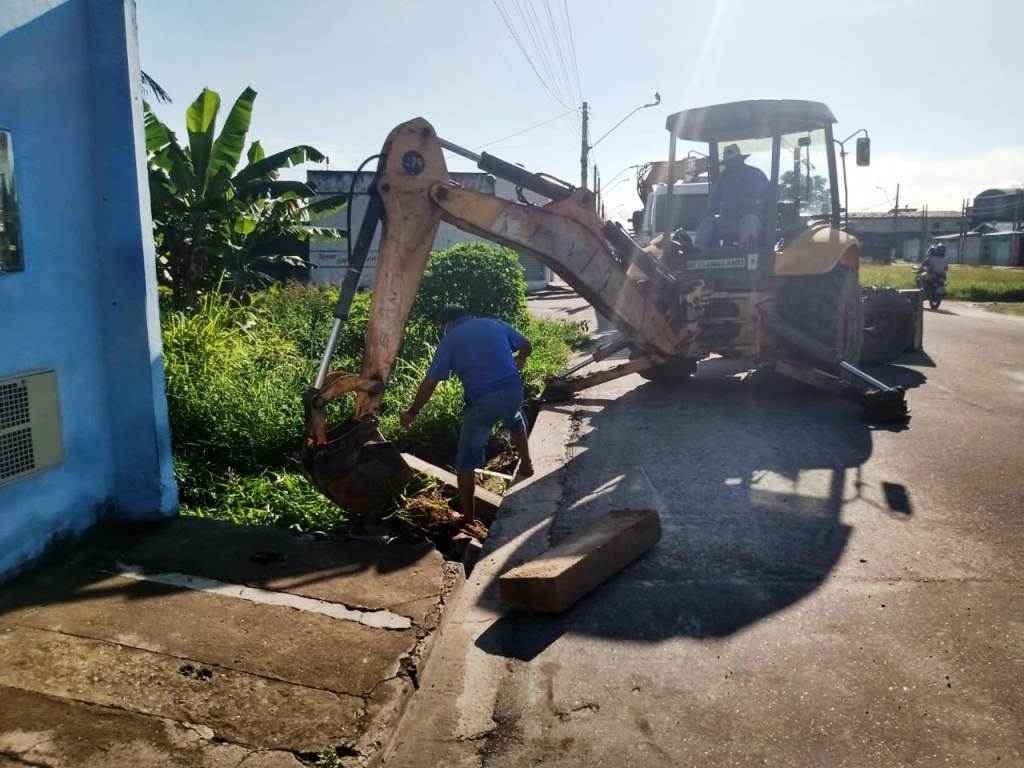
[828,309]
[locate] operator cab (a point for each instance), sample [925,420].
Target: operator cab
[753,212]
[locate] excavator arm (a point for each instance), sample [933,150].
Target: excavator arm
[412,193]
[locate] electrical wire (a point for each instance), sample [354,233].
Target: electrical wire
[572,49]
[529,60]
[542,53]
[562,58]
[525,130]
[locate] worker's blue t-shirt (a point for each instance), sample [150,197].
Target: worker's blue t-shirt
[479,351]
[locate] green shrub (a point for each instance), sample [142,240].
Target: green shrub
[234,385]
[485,279]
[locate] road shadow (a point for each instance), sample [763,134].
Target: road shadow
[750,471]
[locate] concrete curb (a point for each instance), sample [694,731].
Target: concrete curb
[379,736]
[449,701]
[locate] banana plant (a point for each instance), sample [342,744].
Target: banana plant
[216,224]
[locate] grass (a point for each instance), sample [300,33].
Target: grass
[964,283]
[235,376]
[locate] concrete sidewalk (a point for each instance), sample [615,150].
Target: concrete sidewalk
[198,643]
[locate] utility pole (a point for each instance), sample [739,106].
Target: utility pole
[963,232]
[896,224]
[584,147]
[597,189]
[924,233]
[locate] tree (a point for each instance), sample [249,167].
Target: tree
[215,227]
[793,187]
[152,88]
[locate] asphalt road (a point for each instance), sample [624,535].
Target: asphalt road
[824,594]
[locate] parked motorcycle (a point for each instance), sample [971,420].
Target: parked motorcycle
[933,285]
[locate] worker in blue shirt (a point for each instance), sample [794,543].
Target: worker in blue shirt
[486,355]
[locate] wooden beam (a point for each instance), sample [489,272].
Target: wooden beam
[554,581]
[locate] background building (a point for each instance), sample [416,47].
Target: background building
[329,257]
[885,236]
[83,416]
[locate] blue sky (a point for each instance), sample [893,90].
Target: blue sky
[936,83]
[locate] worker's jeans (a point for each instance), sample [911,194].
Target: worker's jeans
[479,419]
[712,229]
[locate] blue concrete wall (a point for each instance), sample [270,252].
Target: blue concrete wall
[85,305]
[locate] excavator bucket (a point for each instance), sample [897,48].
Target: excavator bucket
[357,468]
[352,464]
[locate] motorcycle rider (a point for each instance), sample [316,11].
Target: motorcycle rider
[934,264]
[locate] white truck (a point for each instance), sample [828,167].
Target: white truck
[691,203]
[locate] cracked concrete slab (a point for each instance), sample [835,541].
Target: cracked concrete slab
[242,708]
[41,730]
[272,641]
[244,670]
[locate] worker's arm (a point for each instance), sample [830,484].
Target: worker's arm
[423,395]
[522,353]
[439,370]
[519,344]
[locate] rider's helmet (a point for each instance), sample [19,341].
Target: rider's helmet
[939,250]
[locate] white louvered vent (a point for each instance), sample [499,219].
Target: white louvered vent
[30,439]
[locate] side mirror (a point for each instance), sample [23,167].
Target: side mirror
[863,151]
[638,221]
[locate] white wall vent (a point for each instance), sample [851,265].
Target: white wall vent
[30,434]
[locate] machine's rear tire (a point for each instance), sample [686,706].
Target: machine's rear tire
[676,370]
[828,309]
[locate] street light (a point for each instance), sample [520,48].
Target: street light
[613,178]
[656,102]
[863,158]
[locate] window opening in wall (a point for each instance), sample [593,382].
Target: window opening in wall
[11,255]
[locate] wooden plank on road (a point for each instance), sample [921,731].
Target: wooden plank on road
[554,581]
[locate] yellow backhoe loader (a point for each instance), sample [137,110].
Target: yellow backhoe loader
[782,293]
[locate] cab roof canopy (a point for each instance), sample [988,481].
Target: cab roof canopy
[755,119]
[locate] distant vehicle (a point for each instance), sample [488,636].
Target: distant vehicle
[932,285]
[691,204]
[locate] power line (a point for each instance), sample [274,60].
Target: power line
[525,130]
[541,46]
[526,55]
[558,47]
[572,49]
[532,18]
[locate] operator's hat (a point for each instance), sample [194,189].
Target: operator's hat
[731,151]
